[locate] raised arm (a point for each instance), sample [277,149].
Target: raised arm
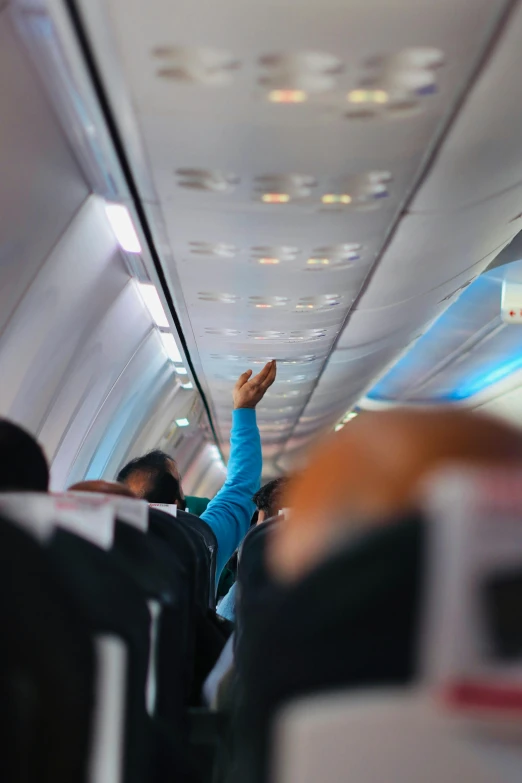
[229,513]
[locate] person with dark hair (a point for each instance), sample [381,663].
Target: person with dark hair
[156,478]
[268,499]
[24,466]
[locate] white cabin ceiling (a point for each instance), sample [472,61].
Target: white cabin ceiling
[432,176]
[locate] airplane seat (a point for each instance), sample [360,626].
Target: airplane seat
[255,588]
[207,535]
[427,615]
[164,583]
[47,667]
[111,606]
[203,541]
[349,623]
[188,534]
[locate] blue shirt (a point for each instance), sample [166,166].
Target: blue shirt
[227,605]
[229,513]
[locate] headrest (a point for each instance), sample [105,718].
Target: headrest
[471,649]
[133,511]
[168,508]
[85,515]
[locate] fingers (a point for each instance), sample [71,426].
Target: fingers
[260,378]
[243,378]
[270,377]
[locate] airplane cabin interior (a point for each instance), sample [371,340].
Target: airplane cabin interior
[192,189]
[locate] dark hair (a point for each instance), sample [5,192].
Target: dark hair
[23,463]
[161,485]
[267,498]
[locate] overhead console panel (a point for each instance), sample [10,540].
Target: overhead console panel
[293,158]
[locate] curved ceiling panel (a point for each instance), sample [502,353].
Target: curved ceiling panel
[284,145]
[430,249]
[482,152]
[468,349]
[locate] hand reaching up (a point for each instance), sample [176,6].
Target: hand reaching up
[248,391]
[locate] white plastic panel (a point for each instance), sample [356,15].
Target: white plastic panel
[482,153]
[35,162]
[234,135]
[119,420]
[65,304]
[72,323]
[429,249]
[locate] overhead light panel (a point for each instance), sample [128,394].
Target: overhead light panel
[171,349]
[335,198]
[368,96]
[182,422]
[182,370]
[123,227]
[188,385]
[287,96]
[154,306]
[318,261]
[275,198]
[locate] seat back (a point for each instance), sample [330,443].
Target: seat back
[255,589]
[350,623]
[47,668]
[207,536]
[461,719]
[205,544]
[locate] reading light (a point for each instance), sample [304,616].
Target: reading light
[368,96]
[182,422]
[287,96]
[334,198]
[275,198]
[268,260]
[154,306]
[171,349]
[122,225]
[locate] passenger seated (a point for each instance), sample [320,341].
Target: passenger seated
[152,476]
[155,478]
[229,513]
[350,560]
[24,465]
[269,499]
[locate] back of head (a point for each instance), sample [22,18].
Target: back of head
[23,464]
[151,478]
[373,470]
[269,499]
[103,487]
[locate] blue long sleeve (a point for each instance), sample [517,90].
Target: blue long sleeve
[229,513]
[227,606]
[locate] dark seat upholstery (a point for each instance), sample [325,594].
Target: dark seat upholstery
[47,668]
[350,623]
